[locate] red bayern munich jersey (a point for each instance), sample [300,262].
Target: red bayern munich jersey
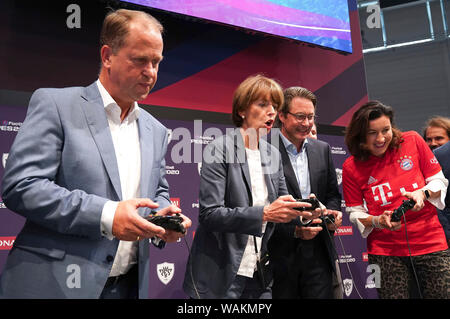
[380,181]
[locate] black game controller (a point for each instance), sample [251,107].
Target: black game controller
[313,201]
[326,219]
[403,208]
[172,222]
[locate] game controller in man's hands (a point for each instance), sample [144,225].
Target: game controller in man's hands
[313,201]
[170,222]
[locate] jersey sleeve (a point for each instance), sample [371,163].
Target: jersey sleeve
[353,195]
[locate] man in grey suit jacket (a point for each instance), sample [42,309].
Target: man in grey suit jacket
[68,175]
[304,257]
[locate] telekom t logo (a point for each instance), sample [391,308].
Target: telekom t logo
[381,193]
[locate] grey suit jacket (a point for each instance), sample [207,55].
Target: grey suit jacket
[60,172]
[226,215]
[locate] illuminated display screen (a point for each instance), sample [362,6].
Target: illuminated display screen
[321,22]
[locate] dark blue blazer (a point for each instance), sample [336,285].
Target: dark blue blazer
[443,156]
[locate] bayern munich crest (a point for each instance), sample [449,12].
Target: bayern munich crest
[405,163]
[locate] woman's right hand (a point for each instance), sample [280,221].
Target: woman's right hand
[282,210]
[383,221]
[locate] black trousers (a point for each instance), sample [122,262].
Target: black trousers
[248,288]
[122,287]
[308,275]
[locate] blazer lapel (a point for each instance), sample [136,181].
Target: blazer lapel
[147,154]
[240,157]
[94,112]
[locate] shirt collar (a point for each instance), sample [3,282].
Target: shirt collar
[290,147]
[112,108]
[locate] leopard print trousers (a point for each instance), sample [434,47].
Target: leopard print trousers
[397,280]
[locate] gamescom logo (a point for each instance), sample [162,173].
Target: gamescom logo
[6,243]
[165,272]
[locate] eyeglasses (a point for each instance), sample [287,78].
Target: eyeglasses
[301,117]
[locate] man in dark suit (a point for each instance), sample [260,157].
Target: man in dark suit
[443,156]
[437,133]
[85,163]
[303,257]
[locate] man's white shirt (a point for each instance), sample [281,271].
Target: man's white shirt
[125,136]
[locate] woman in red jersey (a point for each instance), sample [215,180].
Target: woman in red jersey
[388,166]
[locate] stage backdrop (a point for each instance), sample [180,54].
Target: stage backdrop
[203,64]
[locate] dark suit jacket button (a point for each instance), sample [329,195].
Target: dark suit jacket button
[109,258]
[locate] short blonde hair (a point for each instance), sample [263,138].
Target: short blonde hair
[251,89]
[116,27]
